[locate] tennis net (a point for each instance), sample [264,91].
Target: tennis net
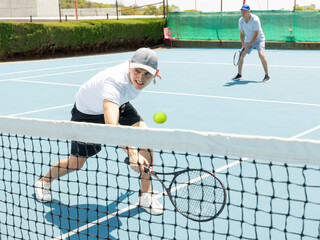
[272,184]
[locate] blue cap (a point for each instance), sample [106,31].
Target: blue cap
[245,7]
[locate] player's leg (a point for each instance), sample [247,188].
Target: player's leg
[147,198]
[240,64]
[59,169]
[260,46]
[148,155]
[241,61]
[64,167]
[265,66]
[129,116]
[79,154]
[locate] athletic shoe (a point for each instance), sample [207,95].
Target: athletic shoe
[266,78]
[237,77]
[148,202]
[43,191]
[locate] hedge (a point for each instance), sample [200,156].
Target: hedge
[19,38]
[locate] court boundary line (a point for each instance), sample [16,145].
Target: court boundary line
[48,75]
[247,64]
[56,68]
[64,58]
[170,62]
[41,110]
[156,92]
[167,62]
[235,98]
[168,93]
[306,132]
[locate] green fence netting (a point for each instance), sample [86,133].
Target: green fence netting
[288,26]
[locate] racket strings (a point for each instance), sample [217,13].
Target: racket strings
[198,195]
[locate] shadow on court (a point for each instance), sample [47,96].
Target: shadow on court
[233,83]
[72,217]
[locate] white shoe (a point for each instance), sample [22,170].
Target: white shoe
[43,191]
[148,202]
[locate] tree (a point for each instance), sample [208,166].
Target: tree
[128,11]
[82,4]
[299,8]
[150,10]
[172,8]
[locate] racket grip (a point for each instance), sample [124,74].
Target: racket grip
[146,169]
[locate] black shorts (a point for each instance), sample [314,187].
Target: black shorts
[128,116]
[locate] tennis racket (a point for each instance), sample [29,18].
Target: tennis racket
[236,57]
[195,193]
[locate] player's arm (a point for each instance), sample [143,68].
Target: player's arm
[111,112]
[111,116]
[242,39]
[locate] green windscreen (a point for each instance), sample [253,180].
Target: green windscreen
[299,26]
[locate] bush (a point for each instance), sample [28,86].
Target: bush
[96,35]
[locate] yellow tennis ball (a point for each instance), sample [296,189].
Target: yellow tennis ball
[159,117]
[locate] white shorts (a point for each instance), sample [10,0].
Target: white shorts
[259,45]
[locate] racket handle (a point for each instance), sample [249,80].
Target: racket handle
[146,169]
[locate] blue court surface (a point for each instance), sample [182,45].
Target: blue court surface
[196,92]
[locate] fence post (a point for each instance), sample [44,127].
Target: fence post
[30,18]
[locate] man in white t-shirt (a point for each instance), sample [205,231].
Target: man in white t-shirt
[251,36]
[104,99]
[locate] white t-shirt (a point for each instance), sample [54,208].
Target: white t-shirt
[112,84]
[250,27]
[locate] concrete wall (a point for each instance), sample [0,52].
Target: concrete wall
[26,8]
[90,12]
[47,8]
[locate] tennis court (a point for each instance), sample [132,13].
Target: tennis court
[197,93]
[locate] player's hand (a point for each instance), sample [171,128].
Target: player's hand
[138,162]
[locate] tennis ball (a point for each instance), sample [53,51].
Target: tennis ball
[159,117]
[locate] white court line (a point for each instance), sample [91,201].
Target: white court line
[168,93]
[170,62]
[62,58]
[306,132]
[234,98]
[56,68]
[41,110]
[47,83]
[51,74]
[100,220]
[231,64]
[189,94]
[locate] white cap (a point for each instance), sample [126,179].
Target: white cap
[146,59]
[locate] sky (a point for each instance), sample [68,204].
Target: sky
[227,5]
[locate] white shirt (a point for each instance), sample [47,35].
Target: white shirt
[112,84]
[250,27]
